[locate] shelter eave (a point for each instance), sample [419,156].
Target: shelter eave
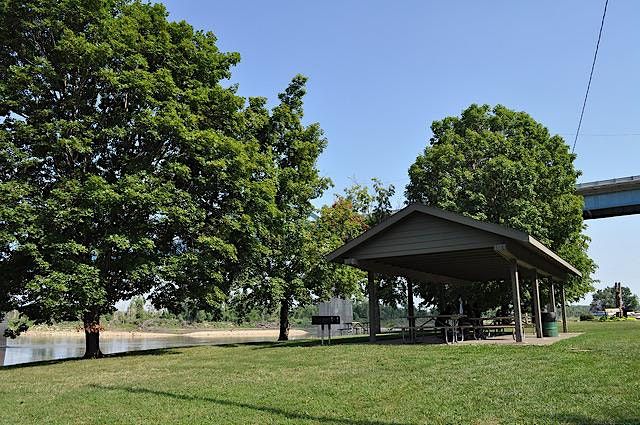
[536,261]
[553,256]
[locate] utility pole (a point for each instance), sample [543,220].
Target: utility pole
[618,290]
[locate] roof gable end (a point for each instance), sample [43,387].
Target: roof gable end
[422,233]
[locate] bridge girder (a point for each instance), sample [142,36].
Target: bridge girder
[610,198]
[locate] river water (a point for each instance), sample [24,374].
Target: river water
[33,348]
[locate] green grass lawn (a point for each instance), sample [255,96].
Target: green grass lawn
[590,379]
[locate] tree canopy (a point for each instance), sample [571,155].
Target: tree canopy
[124,167]
[128,168]
[501,166]
[290,270]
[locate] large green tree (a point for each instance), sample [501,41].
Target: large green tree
[124,166]
[288,271]
[501,166]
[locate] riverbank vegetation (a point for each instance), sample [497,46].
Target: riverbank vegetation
[140,317]
[589,379]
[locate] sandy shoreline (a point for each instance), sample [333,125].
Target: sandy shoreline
[216,333]
[245,333]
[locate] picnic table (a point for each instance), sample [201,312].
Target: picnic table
[355,328]
[448,323]
[496,324]
[456,325]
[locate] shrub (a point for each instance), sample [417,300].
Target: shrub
[17,324]
[586,317]
[615,319]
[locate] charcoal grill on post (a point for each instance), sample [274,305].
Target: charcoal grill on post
[322,321]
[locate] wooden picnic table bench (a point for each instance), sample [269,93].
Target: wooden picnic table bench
[479,330]
[431,324]
[497,324]
[358,327]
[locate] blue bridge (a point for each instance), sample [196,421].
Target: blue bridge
[610,198]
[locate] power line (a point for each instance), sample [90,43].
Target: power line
[593,64]
[601,134]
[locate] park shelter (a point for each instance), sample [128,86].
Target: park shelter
[435,246]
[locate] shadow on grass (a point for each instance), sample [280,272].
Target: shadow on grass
[136,353]
[578,419]
[344,340]
[265,409]
[172,350]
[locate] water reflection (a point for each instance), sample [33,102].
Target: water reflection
[32,348]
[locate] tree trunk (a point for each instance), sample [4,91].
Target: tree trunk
[284,320]
[91,322]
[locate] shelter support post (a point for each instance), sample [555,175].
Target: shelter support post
[3,339]
[552,297]
[537,315]
[411,312]
[517,310]
[373,306]
[564,309]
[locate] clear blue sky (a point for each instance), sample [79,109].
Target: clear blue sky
[381,72]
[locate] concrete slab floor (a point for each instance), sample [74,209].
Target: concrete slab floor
[530,339]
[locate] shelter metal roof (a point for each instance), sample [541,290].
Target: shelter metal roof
[435,245]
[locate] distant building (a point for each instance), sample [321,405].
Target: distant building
[610,312]
[337,307]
